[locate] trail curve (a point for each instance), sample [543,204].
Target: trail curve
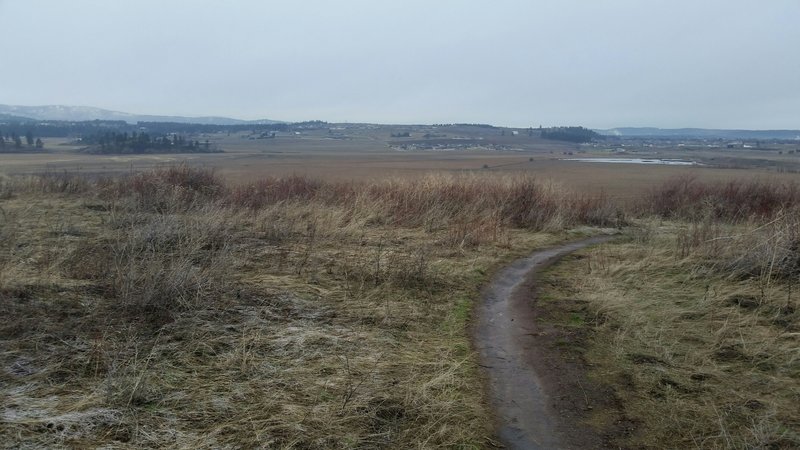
[505,337]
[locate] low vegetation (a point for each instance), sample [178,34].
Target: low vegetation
[167,308]
[687,199]
[692,323]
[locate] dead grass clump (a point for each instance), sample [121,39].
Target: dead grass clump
[769,251]
[155,265]
[7,187]
[529,204]
[272,190]
[701,237]
[90,260]
[171,263]
[599,211]
[176,188]
[9,231]
[466,234]
[755,249]
[60,183]
[401,267]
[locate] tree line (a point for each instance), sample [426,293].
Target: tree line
[62,128]
[570,134]
[14,142]
[113,142]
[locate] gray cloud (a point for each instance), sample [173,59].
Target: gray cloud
[608,63]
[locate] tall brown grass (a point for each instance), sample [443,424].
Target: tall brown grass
[439,200]
[700,315]
[740,229]
[687,198]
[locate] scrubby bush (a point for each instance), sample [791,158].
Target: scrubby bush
[175,188]
[170,263]
[733,201]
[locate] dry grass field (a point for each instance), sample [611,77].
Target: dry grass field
[691,325]
[169,309]
[315,292]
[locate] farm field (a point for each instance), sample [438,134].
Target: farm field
[371,154]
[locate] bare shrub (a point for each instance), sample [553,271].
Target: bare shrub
[269,191]
[176,188]
[734,201]
[771,250]
[472,233]
[402,267]
[60,183]
[598,210]
[9,229]
[8,187]
[701,237]
[412,269]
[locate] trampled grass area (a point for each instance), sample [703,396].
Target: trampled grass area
[170,309]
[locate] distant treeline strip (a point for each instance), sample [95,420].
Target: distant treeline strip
[59,128]
[124,143]
[12,142]
[571,134]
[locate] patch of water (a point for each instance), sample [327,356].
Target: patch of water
[648,161]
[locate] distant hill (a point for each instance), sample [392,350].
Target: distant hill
[701,133]
[13,118]
[82,113]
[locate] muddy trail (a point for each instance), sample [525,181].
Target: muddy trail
[530,400]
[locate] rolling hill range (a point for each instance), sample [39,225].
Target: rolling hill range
[700,133]
[82,113]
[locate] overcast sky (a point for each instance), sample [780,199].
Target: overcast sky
[602,64]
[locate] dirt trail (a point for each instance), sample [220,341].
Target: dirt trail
[506,338]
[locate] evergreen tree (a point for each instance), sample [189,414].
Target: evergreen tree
[571,134]
[29,138]
[39,143]
[17,140]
